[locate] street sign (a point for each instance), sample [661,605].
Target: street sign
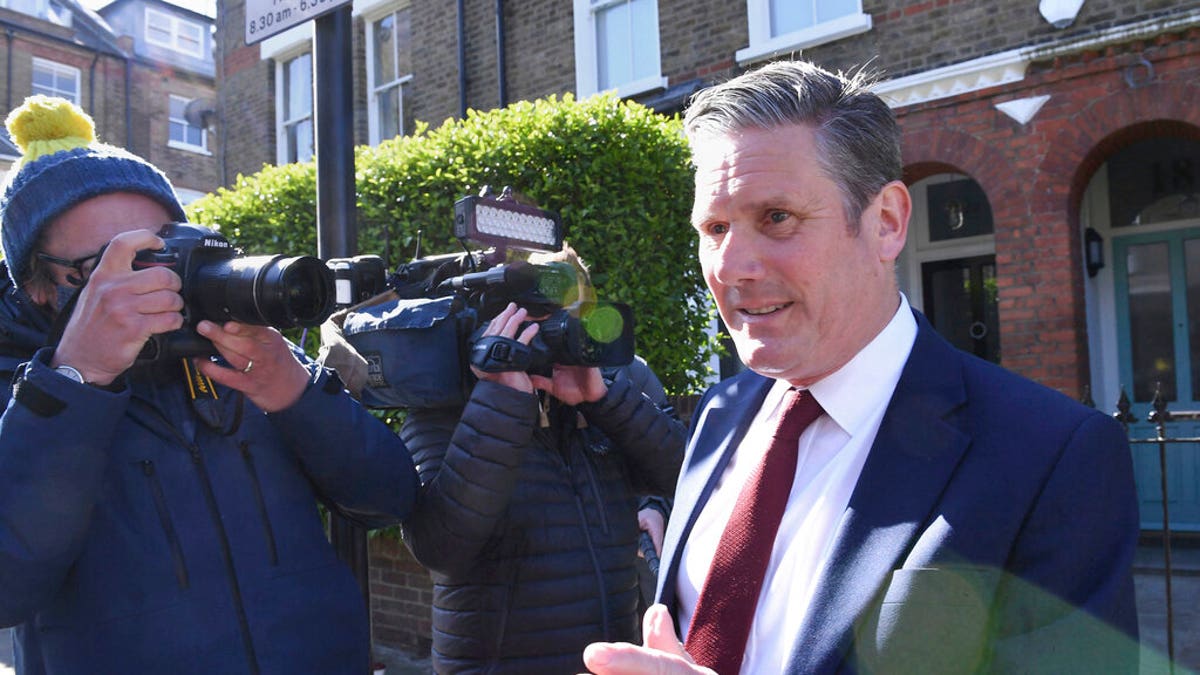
[265,18]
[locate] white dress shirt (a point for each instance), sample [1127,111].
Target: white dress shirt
[832,451]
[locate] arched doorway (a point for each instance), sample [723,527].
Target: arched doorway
[1141,211]
[948,268]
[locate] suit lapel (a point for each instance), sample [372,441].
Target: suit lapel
[719,428]
[914,455]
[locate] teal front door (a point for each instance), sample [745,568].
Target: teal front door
[1157,285]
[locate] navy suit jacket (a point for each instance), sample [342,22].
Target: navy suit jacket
[992,529]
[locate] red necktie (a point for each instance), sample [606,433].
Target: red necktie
[725,609]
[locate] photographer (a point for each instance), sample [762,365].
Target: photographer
[160,517]
[528,513]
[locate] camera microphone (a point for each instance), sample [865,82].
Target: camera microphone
[517,276]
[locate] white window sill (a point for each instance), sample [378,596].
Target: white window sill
[635,88]
[829,31]
[188,147]
[642,86]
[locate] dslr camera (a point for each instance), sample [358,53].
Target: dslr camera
[221,284]
[420,343]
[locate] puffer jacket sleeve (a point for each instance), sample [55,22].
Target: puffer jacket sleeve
[468,466]
[637,417]
[357,463]
[53,439]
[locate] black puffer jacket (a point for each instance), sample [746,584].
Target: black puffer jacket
[530,532]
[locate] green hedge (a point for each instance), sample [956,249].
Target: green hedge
[617,173]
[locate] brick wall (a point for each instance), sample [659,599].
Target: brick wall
[245,99]
[1035,175]
[401,597]
[151,117]
[137,122]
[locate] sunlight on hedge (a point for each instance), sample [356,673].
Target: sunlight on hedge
[616,172]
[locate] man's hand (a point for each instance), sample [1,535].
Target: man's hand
[118,310]
[662,654]
[506,324]
[261,364]
[572,384]
[651,521]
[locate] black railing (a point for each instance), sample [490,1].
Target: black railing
[1160,416]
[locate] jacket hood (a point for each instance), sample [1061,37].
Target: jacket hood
[23,327]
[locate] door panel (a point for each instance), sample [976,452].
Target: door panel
[960,301]
[1157,286]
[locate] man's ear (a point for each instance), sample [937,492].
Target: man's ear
[41,291]
[893,208]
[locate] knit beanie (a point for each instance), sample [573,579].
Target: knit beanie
[63,164]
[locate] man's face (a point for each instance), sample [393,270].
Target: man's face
[800,290]
[88,226]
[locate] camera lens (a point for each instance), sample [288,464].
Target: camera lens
[265,291]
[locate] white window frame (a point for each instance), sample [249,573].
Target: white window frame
[45,10]
[587,65]
[763,46]
[375,88]
[177,28]
[281,48]
[187,196]
[281,123]
[921,250]
[58,69]
[202,148]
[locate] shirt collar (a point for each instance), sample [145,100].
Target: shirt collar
[854,392]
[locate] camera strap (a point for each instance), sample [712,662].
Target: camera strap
[200,387]
[206,404]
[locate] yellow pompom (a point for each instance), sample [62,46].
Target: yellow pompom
[46,124]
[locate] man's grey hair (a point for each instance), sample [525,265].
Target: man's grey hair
[857,139]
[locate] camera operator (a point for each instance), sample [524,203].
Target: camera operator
[528,515]
[152,521]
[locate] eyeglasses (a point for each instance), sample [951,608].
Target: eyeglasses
[83,266]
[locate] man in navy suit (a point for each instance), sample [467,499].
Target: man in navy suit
[946,516]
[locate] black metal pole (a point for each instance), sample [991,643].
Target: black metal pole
[461,30]
[337,232]
[333,91]
[501,67]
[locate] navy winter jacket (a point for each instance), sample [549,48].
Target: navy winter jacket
[138,537]
[530,532]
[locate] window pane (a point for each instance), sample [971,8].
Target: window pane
[297,87]
[644,29]
[613,46]
[1151,325]
[404,42]
[1191,261]
[190,39]
[389,112]
[158,28]
[300,141]
[385,50]
[43,80]
[406,114]
[828,10]
[788,16]
[194,136]
[1154,181]
[55,80]
[31,7]
[957,209]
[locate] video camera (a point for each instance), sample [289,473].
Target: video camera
[221,284]
[419,344]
